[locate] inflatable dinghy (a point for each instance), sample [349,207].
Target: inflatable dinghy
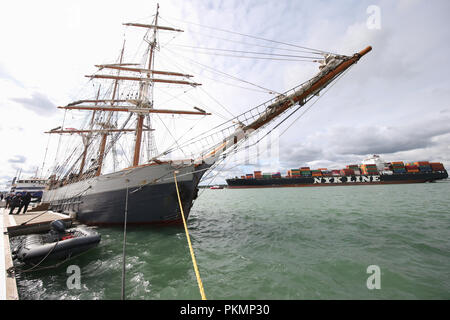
[58,244]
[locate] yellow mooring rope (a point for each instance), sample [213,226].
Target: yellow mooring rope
[194,262]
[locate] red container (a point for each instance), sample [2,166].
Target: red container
[436,165]
[347,172]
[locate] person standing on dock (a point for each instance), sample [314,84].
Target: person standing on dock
[25,201]
[14,202]
[7,200]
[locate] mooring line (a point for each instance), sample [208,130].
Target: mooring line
[124,246]
[194,262]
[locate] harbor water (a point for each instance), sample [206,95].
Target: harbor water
[276,243]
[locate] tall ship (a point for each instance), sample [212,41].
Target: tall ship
[82,185]
[373,171]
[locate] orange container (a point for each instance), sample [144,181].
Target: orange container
[422,163]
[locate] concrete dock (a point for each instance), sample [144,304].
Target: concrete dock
[14,225]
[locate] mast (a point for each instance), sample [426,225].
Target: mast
[144,91]
[86,138]
[101,153]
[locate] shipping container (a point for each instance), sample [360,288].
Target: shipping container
[369,172]
[335,173]
[422,163]
[347,172]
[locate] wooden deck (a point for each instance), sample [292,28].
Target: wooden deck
[14,225]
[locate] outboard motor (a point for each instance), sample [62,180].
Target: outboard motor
[57,231]
[58,226]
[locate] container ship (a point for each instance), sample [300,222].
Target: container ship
[372,171]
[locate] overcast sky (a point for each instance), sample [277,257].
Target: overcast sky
[394,102]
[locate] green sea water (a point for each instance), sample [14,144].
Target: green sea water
[276,243]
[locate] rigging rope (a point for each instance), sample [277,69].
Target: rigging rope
[194,262]
[310,106]
[175,140]
[124,246]
[254,37]
[45,157]
[255,45]
[236,149]
[59,141]
[299,58]
[221,72]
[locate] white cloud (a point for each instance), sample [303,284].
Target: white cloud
[38,102]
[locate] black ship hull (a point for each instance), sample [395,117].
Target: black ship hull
[156,204]
[146,204]
[337,180]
